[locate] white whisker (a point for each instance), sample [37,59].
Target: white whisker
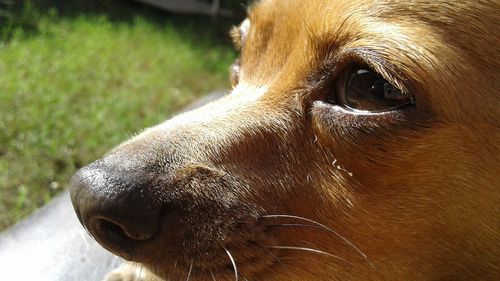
[294,225]
[189,272]
[308,250]
[213,276]
[322,226]
[269,252]
[234,264]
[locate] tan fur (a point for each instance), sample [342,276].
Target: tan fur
[415,194]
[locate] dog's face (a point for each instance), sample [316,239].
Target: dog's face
[360,142]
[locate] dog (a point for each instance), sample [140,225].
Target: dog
[360,142]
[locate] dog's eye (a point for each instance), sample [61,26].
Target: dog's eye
[234,72]
[365,90]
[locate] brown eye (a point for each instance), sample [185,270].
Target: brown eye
[365,90]
[234,73]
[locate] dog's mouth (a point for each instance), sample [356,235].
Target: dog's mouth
[230,262]
[252,251]
[196,253]
[210,251]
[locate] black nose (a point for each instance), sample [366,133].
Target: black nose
[117,206]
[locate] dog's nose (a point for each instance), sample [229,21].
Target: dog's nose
[115,206]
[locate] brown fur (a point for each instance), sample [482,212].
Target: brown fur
[414,192]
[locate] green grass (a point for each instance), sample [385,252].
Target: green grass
[76,86]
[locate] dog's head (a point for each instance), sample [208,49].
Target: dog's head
[360,142]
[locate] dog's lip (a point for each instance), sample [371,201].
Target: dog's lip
[248,256]
[219,267]
[197,272]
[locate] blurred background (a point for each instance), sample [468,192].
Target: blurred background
[79,77]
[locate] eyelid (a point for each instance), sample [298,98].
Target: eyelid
[373,60]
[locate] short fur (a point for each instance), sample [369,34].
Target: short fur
[406,195]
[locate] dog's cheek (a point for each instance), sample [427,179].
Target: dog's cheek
[425,172]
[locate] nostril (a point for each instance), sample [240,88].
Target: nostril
[115,236]
[121,232]
[111,232]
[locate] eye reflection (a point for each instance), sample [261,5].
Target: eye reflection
[365,90]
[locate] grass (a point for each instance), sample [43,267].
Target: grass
[77,85]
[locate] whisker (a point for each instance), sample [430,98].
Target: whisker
[234,264]
[265,249]
[271,254]
[309,250]
[213,276]
[189,272]
[322,226]
[295,225]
